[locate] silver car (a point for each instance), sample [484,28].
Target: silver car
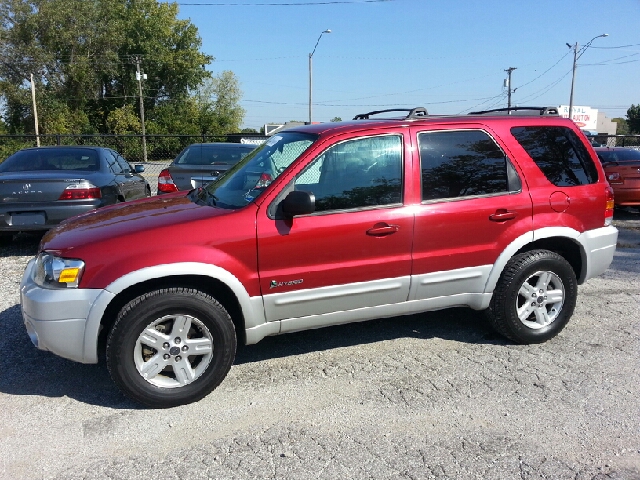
[201,163]
[40,187]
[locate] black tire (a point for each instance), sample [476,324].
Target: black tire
[209,330]
[5,237]
[526,314]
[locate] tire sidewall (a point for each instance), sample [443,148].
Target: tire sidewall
[549,262]
[131,323]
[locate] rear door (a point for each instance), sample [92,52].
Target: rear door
[355,250]
[473,204]
[133,186]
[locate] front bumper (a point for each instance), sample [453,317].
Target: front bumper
[56,319]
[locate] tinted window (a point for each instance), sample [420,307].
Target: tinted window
[213,154]
[112,162]
[462,163]
[356,173]
[559,153]
[628,155]
[51,159]
[124,165]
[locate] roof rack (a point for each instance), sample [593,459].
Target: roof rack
[542,111]
[418,112]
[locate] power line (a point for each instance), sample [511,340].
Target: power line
[620,46]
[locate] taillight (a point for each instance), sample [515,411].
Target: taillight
[615,178]
[165,182]
[264,181]
[608,212]
[81,191]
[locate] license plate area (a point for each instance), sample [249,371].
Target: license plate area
[201,181]
[26,219]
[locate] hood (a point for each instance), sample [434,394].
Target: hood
[147,218]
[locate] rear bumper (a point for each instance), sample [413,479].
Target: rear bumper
[55,319]
[599,247]
[16,218]
[626,197]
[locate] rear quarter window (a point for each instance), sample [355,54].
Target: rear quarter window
[559,154]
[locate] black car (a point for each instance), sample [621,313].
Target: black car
[201,163]
[40,187]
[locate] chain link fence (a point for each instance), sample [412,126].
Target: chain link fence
[161,149]
[632,141]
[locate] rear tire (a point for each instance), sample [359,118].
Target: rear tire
[171,347]
[5,237]
[534,298]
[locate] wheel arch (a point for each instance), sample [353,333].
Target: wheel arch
[244,310]
[563,240]
[211,286]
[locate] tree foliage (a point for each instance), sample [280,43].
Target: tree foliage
[83,55]
[622,128]
[633,118]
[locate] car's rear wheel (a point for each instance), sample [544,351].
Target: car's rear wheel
[171,347]
[534,298]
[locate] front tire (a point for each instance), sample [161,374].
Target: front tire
[171,347]
[534,298]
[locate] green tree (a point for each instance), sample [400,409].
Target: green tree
[219,111]
[336,119]
[83,54]
[623,127]
[633,118]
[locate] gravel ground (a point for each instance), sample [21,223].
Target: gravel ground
[436,395]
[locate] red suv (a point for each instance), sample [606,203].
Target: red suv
[328,224]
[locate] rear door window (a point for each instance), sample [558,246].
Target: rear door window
[559,153]
[463,163]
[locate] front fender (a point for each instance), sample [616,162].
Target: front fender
[252,307]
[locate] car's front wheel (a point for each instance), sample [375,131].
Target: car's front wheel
[170,347]
[534,298]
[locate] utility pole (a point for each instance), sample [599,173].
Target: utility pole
[311,73]
[509,91]
[573,78]
[140,77]
[576,55]
[35,110]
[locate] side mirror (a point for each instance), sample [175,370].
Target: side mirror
[298,203]
[139,168]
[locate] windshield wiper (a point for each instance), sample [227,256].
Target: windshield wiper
[202,196]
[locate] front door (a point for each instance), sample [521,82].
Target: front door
[355,250]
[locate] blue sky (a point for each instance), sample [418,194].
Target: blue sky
[449,56]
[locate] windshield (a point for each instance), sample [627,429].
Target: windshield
[628,155]
[48,159]
[246,180]
[213,154]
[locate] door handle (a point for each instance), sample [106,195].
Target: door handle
[502,215]
[382,229]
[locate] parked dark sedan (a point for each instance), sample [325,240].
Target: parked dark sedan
[622,168]
[199,164]
[40,187]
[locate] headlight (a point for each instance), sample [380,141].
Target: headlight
[55,272]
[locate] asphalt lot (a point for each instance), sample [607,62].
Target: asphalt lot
[436,395]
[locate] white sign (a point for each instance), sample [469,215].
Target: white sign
[585,118]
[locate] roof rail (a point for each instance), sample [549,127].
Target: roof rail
[417,112]
[542,111]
